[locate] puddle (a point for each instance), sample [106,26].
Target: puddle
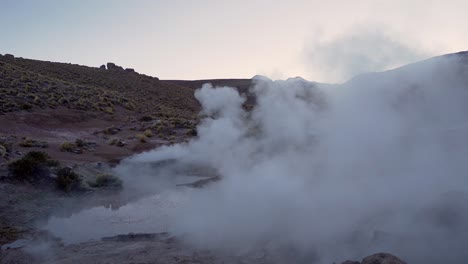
[147,215]
[16,244]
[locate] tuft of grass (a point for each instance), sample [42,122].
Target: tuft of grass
[3,151]
[113,141]
[108,110]
[142,138]
[67,180]
[148,133]
[67,146]
[80,143]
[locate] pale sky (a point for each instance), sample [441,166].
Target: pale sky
[174,39]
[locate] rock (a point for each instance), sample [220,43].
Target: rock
[382,258]
[203,183]
[9,56]
[121,143]
[77,151]
[103,67]
[112,67]
[351,262]
[91,144]
[130,70]
[111,130]
[137,237]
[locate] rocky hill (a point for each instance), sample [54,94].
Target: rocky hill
[32,84]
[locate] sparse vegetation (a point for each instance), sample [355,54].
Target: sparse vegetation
[67,146]
[106,181]
[78,146]
[80,143]
[113,141]
[3,151]
[32,166]
[8,233]
[31,84]
[68,181]
[30,143]
[148,133]
[142,138]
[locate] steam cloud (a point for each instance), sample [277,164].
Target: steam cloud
[359,51]
[332,172]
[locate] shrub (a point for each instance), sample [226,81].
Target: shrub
[67,180]
[113,141]
[32,166]
[148,133]
[26,106]
[67,146]
[191,132]
[146,118]
[108,110]
[142,138]
[107,181]
[80,143]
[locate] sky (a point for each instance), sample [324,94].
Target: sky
[325,41]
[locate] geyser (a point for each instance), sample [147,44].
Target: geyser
[334,172]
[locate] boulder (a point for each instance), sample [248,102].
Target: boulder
[130,70]
[112,67]
[103,67]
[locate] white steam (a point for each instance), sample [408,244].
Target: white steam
[327,173]
[358,51]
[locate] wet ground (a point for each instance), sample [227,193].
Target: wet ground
[146,215]
[58,228]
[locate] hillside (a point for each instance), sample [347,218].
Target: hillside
[31,84]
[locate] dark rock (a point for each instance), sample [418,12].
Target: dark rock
[382,258]
[77,151]
[203,183]
[351,262]
[121,143]
[130,70]
[112,67]
[113,130]
[9,56]
[103,67]
[91,144]
[137,237]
